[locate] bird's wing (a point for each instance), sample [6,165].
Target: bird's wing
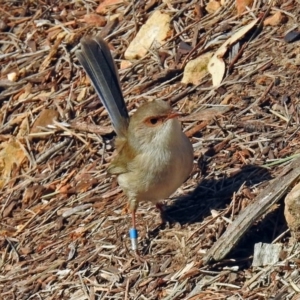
[126,154]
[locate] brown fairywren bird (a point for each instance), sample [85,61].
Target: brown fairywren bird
[154,157]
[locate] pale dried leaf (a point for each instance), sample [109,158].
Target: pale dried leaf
[212,6]
[155,29]
[216,65]
[11,157]
[81,96]
[13,76]
[196,69]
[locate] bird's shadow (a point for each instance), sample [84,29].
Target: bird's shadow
[212,194]
[208,195]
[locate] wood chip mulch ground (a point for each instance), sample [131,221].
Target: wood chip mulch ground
[63,226]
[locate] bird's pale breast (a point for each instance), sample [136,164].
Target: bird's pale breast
[157,173]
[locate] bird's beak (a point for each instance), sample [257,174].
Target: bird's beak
[173,114]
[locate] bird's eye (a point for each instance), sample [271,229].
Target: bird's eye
[153,121]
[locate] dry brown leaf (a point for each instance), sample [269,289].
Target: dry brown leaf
[81,186]
[65,189]
[32,193]
[125,64]
[241,5]
[53,34]
[70,38]
[95,19]
[7,233]
[9,208]
[45,118]
[11,157]
[26,250]
[53,51]
[227,99]
[24,128]
[103,7]
[212,6]
[276,19]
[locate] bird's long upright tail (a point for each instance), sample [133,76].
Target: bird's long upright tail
[96,59]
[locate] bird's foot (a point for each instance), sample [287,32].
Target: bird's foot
[162,210]
[160,207]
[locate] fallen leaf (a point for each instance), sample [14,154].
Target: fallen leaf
[276,19]
[70,38]
[292,210]
[25,250]
[82,94]
[13,76]
[53,34]
[216,68]
[227,99]
[102,8]
[64,189]
[9,209]
[32,193]
[11,157]
[216,65]
[155,29]
[24,128]
[95,19]
[45,118]
[212,6]
[241,5]
[53,52]
[196,69]
[84,186]
[125,64]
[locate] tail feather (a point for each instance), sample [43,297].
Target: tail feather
[96,59]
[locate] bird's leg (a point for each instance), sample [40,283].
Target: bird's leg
[133,232]
[133,237]
[133,218]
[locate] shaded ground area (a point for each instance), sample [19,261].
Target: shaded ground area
[64,229]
